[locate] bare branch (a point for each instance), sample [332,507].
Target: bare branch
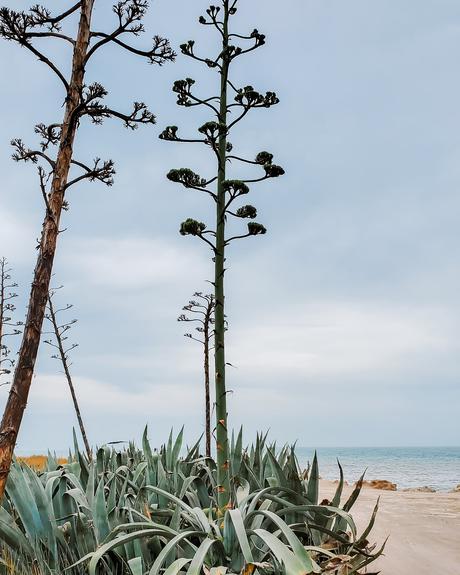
[160,52]
[92,106]
[103,173]
[23,154]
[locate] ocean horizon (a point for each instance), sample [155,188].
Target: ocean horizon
[408,467]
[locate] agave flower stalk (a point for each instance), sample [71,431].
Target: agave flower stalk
[62,354]
[201,311]
[229,107]
[8,326]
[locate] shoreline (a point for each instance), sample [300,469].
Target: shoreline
[422,528]
[386,485]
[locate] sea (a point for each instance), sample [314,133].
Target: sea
[408,467]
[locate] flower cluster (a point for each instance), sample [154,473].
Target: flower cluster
[187,178]
[192,227]
[250,98]
[246,212]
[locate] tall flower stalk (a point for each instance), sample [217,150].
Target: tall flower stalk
[228,109]
[8,326]
[63,349]
[201,311]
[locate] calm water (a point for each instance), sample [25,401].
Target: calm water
[436,467]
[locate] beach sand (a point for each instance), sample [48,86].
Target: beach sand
[424,529]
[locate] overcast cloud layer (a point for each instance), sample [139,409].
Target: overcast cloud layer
[344,318]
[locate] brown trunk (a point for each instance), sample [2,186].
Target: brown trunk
[65,365]
[19,392]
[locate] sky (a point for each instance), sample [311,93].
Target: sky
[344,319]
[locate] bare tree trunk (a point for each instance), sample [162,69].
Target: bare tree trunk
[19,392]
[65,365]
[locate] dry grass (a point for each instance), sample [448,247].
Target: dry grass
[38,462]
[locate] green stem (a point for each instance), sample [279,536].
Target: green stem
[223,477]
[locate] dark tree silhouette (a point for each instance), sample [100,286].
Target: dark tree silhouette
[8,326]
[201,311]
[60,171]
[228,108]
[63,348]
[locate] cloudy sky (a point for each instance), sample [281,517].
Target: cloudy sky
[344,318]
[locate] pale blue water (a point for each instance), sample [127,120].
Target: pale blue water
[436,467]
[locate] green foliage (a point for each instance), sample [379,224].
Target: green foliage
[255,229]
[169,133]
[192,227]
[247,212]
[235,187]
[145,511]
[273,171]
[187,178]
[264,158]
[250,98]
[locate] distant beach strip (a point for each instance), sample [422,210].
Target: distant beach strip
[437,468]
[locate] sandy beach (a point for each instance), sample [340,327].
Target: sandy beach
[423,529]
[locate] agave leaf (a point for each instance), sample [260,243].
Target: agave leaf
[354,496]
[177,566]
[340,524]
[237,453]
[171,546]
[186,484]
[293,471]
[256,520]
[117,542]
[296,546]
[193,517]
[370,525]
[338,494]
[112,497]
[240,531]
[194,450]
[242,491]
[139,473]
[136,566]
[121,529]
[199,558]
[313,482]
[168,451]
[277,470]
[292,564]
[323,510]
[12,535]
[201,517]
[18,490]
[91,484]
[256,496]
[45,510]
[80,499]
[368,560]
[177,447]
[312,527]
[100,517]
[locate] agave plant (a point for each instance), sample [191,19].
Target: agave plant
[155,511]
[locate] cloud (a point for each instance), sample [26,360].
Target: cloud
[338,339]
[96,395]
[132,262]
[17,237]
